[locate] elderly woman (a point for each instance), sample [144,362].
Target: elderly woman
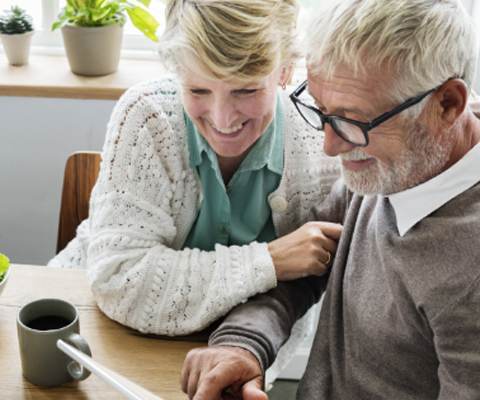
[202,172]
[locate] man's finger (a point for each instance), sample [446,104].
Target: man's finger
[190,375]
[184,378]
[252,390]
[192,385]
[211,385]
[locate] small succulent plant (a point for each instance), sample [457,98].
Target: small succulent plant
[15,21]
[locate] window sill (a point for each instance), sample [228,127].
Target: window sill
[50,76]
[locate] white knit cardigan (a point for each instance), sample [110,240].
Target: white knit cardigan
[144,204]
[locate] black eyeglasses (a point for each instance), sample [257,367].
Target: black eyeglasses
[353,132]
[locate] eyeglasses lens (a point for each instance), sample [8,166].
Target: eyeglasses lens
[348,131]
[345,130]
[310,116]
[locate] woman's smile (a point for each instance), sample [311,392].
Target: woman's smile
[229,131]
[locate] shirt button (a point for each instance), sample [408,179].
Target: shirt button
[229,190]
[223,229]
[278,204]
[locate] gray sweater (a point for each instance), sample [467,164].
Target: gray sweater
[401,315]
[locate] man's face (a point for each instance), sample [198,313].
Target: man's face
[401,154]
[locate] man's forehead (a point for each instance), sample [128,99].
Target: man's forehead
[345,89]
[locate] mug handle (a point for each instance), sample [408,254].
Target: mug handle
[81,344]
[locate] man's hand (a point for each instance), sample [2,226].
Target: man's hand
[304,252]
[209,372]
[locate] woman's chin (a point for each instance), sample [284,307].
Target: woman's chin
[231,153]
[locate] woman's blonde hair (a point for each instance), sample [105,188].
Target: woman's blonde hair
[422,43]
[236,39]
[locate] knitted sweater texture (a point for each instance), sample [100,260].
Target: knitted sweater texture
[401,315]
[145,202]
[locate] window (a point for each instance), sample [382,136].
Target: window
[44,13]
[135,45]
[308,9]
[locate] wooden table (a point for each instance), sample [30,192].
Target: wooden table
[152,362]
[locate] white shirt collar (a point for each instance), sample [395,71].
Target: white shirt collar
[413,205]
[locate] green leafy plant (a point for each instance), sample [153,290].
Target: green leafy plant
[91,13]
[15,21]
[4,265]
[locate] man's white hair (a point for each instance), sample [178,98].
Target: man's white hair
[421,43]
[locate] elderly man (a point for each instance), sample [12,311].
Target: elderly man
[388,82]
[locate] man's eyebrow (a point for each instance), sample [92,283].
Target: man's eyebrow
[346,110]
[357,112]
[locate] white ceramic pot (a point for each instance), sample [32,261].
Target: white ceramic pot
[17,47]
[93,51]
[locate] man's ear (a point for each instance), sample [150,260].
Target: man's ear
[452,99]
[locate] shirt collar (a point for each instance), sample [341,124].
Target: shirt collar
[267,151]
[413,205]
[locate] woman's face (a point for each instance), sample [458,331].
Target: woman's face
[230,115]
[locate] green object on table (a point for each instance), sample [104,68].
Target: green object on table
[4,265]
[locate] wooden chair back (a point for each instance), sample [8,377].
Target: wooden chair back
[81,173]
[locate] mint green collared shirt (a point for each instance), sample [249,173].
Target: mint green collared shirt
[239,213]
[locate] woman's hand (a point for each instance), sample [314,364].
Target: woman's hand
[305,251]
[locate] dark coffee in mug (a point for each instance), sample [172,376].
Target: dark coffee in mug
[48,323]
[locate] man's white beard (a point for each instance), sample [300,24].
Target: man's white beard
[422,159]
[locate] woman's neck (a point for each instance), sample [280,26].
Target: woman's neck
[229,165]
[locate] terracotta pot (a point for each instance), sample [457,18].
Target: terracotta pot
[17,47]
[93,51]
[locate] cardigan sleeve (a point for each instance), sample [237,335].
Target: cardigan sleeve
[145,198]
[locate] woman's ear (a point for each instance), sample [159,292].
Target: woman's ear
[286,75]
[452,99]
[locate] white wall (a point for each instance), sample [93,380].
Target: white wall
[36,138]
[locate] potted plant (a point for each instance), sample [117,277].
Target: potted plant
[92,32]
[16,30]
